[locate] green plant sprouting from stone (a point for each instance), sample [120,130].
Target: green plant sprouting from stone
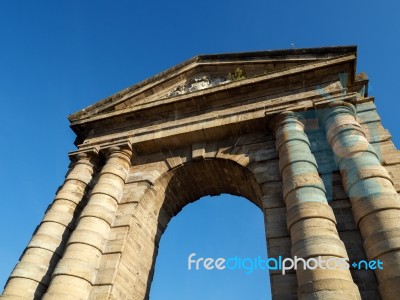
[238,75]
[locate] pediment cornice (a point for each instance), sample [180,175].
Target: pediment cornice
[216,68]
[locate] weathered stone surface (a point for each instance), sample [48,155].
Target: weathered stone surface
[327,179]
[374,199]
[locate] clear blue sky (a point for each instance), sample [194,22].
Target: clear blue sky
[57,57]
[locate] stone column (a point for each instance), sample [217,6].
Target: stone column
[31,275]
[76,272]
[374,200]
[310,220]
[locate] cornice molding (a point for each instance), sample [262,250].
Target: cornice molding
[230,85]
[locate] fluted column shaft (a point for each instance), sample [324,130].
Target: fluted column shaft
[374,200]
[76,272]
[310,219]
[31,275]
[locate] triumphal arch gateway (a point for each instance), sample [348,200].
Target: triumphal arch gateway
[294,131]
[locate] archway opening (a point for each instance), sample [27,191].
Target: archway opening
[226,227]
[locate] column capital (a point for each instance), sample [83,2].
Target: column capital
[122,150]
[283,118]
[335,108]
[88,156]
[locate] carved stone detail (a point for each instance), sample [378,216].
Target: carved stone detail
[197,83]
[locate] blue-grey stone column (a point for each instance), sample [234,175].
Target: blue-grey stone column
[310,219]
[374,200]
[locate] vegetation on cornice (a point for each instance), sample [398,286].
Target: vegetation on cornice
[238,75]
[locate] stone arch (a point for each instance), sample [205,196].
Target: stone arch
[325,172]
[161,202]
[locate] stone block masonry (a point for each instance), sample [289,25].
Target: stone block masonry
[296,134]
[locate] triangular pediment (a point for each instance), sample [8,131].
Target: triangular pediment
[204,73]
